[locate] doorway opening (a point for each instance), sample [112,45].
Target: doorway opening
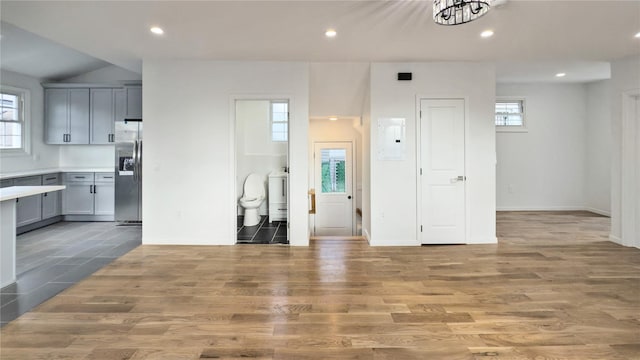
[335,176]
[261,171]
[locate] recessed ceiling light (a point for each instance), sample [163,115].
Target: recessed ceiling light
[156,30]
[486,33]
[333,118]
[561,75]
[330,33]
[637,35]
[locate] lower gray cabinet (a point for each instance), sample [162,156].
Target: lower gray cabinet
[104,194]
[78,196]
[88,194]
[51,201]
[28,209]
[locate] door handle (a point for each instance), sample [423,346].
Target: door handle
[349,197]
[458,178]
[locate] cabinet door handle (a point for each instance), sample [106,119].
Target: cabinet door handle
[69,137]
[45,194]
[283,191]
[90,189]
[95,189]
[51,178]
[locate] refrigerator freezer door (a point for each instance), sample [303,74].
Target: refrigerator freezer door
[127,205]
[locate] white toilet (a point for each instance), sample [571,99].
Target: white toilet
[252,198]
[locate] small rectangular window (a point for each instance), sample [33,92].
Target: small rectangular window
[12,121]
[510,115]
[279,121]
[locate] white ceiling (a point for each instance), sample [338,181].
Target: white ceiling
[27,53]
[558,33]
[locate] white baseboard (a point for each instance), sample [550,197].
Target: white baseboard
[615,239]
[554,208]
[489,240]
[365,234]
[598,211]
[540,208]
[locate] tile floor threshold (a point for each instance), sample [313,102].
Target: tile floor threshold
[263,233]
[53,258]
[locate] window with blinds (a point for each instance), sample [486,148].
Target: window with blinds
[510,114]
[12,121]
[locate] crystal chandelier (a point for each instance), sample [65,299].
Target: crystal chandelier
[456,12]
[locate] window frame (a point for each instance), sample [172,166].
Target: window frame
[511,128]
[25,112]
[272,122]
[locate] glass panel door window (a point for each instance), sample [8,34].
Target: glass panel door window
[333,170]
[279,121]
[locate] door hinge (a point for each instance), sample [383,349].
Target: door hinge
[420,228]
[420,171]
[420,114]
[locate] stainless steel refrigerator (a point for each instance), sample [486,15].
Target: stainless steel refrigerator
[128,172]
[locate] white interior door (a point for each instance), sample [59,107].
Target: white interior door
[442,182]
[333,184]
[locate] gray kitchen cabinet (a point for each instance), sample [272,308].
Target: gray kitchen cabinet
[120,104]
[77,198]
[51,201]
[104,194]
[28,209]
[102,116]
[67,116]
[88,194]
[134,101]
[6,183]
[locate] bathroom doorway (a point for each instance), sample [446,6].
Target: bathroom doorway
[261,164]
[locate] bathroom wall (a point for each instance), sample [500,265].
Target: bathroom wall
[190,152]
[255,152]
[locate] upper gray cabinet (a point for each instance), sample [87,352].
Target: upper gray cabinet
[67,116]
[102,119]
[77,115]
[134,102]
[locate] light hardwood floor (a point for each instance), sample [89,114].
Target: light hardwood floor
[553,288]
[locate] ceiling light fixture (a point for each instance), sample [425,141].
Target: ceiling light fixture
[330,33]
[637,35]
[486,33]
[561,75]
[456,12]
[156,30]
[333,118]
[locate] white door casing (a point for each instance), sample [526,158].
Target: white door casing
[442,171]
[334,199]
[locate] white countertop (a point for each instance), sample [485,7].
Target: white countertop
[16,174]
[14,192]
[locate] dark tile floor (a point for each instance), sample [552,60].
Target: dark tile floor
[51,259]
[263,233]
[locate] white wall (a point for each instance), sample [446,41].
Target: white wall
[625,76]
[394,183]
[337,89]
[544,168]
[255,152]
[366,165]
[598,148]
[41,156]
[323,130]
[189,189]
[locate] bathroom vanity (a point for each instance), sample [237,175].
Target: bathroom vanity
[278,196]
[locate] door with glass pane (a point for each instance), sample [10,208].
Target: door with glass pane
[333,186]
